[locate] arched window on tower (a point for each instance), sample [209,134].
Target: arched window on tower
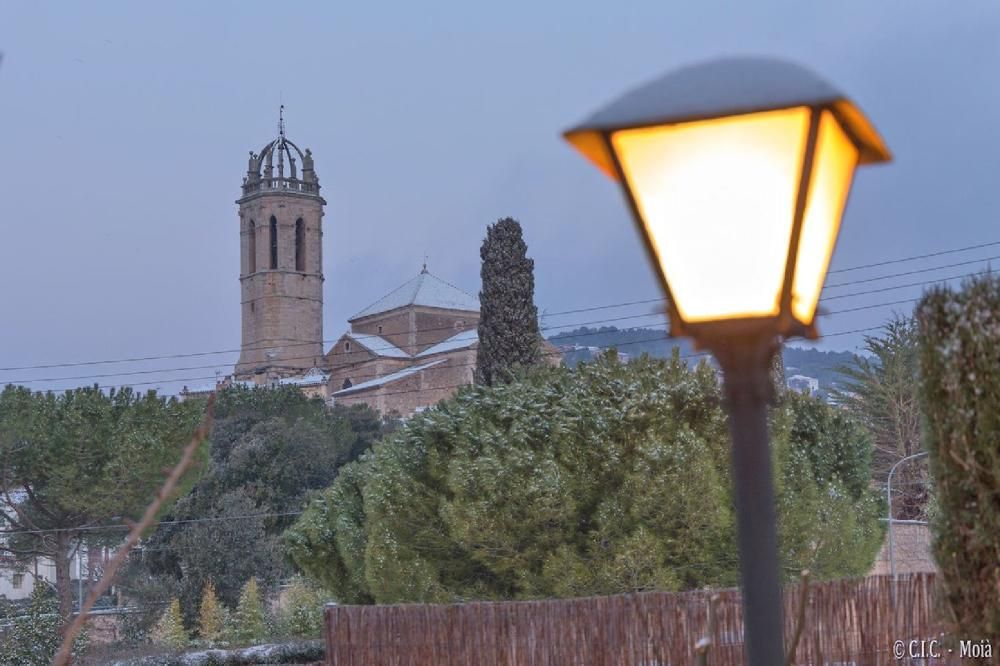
[300,245]
[274,243]
[252,248]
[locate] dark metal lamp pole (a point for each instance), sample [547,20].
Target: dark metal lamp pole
[746,366]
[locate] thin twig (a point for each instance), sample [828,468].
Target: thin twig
[148,518]
[801,620]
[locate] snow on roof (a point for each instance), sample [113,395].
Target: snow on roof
[427,290]
[305,380]
[457,341]
[378,345]
[226,383]
[388,379]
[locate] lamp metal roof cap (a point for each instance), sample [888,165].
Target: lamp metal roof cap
[729,87]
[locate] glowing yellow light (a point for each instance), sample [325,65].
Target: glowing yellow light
[717,198]
[833,168]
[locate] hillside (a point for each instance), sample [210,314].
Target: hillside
[584,343]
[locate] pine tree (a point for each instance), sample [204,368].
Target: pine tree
[211,616]
[169,630]
[508,323]
[248,624]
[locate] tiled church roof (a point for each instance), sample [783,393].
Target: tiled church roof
[378,345]
[457,341]
[388,379]
[426,290]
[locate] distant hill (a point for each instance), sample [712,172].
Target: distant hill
[815,363]
[583,344]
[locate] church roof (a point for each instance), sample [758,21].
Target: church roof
[427,290]
[378,345]
[457,341]
[388,379]
[314,377]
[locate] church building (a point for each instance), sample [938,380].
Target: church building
[403,353]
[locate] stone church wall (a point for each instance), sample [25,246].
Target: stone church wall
[393,326]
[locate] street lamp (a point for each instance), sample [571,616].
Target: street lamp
[737,172]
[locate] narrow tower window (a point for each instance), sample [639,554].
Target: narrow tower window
[274,243]
[300,245]
[252,248]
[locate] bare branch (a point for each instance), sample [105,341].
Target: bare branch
[31,551]
[148,518]
[35,502]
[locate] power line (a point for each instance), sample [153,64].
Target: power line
[374,348]
[624,344]
[868,307]
[903,286]
[117,526]
[220,365]
[915,258]
[377,348]
[137,359]
[914,272]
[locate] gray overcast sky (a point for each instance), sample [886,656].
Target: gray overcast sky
[127,126]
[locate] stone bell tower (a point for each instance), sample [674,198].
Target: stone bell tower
[281,262]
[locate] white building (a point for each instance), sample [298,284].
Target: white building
[803,384]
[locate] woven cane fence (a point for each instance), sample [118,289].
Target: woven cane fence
[846,622]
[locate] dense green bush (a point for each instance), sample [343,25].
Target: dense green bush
[960,367]
[601,479]
[301,616]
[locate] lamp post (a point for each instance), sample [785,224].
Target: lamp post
[888,503]
[737,172]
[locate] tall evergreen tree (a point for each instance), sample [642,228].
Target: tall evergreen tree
[508,324]
[882,389]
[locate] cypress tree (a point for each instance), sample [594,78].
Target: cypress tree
[508,322]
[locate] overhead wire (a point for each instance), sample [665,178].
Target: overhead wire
[378,348]
[294,343]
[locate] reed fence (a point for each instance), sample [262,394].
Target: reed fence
[846,622]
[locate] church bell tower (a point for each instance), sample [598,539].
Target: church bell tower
[281,262]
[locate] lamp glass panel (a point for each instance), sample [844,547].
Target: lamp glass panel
[833,168]
[717,200]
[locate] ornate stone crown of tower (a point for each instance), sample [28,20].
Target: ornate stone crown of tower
[281,262]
